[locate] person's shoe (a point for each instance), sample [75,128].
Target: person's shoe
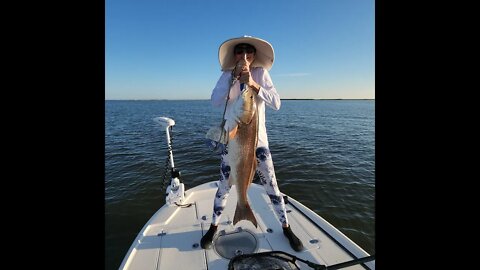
[295,243]
[206,241]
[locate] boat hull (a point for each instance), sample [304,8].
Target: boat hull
[171,238]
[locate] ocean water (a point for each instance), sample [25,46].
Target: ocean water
[323,152]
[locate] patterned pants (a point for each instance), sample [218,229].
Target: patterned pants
[265,171]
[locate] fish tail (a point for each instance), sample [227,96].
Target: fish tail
[244,213]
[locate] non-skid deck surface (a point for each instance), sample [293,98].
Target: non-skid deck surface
[171,239]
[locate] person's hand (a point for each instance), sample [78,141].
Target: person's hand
[242,66]
[246,77]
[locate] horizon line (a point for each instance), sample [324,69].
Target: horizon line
[164,99]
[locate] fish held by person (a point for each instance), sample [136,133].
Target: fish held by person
[242,145]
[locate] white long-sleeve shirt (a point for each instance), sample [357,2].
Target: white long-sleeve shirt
[266,95]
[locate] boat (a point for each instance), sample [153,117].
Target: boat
[171,237]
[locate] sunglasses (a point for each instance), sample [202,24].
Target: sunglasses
[244,50]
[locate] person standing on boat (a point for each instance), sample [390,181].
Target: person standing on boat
[250,59]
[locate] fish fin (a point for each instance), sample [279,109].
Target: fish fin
[233,132]
[244,213]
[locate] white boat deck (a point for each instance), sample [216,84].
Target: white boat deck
[171,238]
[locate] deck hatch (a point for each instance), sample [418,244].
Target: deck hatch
[238,242]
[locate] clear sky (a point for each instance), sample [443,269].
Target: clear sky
[168,49]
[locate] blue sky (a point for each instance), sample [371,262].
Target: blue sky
[168,49]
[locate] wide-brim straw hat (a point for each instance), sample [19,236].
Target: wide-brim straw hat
[264,55]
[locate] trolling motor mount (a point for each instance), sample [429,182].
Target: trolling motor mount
[175,192]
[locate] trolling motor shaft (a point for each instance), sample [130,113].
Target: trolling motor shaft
[175,193]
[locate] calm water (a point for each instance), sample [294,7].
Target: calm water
[323,152]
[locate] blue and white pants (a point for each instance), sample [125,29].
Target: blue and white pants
[265,171]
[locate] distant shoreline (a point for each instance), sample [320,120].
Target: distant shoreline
[208,99]
[327,99]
